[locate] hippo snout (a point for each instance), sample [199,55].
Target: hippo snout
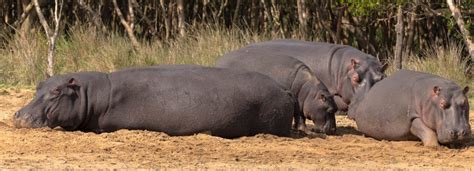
[329,128]
[26,121]
[456,136]
[460,134]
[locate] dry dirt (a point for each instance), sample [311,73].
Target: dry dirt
[47,148]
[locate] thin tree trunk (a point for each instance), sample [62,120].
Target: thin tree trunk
[181,18]
[399,43]
[236,12]
[127,26]
[26,18]
[166,19]
[131,15]
[411,30]
[302,17]
[460,22]
[268,20]
[339,27]
[52,34]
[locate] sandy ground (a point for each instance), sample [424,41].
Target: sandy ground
[47,148]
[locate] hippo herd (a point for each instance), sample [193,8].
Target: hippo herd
[267,87]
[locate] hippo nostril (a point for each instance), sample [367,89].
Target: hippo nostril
[463,133]
[16,115]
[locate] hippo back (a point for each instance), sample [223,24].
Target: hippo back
[331,63]
[281,68]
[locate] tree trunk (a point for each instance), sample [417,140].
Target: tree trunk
[26,18]
[268,20]
[127,26]
[460,22]
[236,12]
[411,30]
[166,19]
[302,14]
[399,43]
[51,34]
[181,18]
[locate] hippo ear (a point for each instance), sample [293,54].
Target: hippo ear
[355,78]
[465,90]
[354,63]
[436,90]
[72,82]
[384,67]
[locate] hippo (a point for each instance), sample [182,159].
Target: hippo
[343,69]
[184,101]
[313,98]
[410,105]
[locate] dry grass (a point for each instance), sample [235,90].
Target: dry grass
[443,60]
[85,49]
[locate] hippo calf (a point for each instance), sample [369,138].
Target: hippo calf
[343,69]
[411,105]
[181,101]
[314,100]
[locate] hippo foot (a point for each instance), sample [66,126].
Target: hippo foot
[427,135]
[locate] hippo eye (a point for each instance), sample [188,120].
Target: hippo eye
[444,105]
[55,91]
[322,98]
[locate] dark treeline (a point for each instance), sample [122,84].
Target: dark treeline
[366,24]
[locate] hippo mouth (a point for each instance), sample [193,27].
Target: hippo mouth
[456,140]
[28,123]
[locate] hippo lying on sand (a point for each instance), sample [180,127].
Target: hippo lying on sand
[343,69]
[313,98]
[181,101]
[411,105]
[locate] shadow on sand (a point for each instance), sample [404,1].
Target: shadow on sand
[341,130]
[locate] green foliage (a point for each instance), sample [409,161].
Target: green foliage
[361,7]
[365,7]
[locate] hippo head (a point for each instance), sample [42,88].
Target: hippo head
[361,76]
[56,100]
[448,114]
[321,108]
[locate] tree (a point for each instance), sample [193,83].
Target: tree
[51,34]
[399,42]
[460,22]
[181,17]
[128,24]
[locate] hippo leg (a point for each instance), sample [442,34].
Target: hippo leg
[341,105]
[299,121]
[427,136]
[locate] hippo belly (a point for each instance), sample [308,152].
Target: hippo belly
[189,101]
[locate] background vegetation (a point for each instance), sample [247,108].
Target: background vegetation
[92,36]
